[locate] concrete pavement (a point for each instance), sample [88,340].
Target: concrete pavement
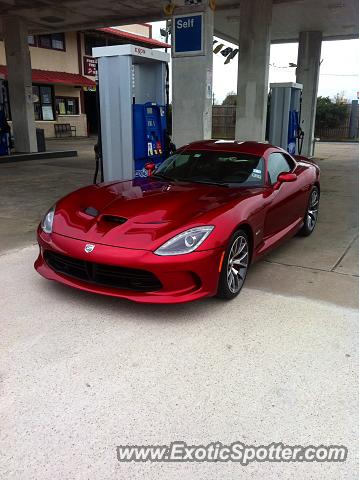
[80,374]
[29,188]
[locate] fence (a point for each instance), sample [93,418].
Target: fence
[339,133]
[223,121]
[224,124]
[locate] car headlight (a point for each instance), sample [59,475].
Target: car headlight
[185,242]
[47,221]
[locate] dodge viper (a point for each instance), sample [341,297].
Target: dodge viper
[189,230]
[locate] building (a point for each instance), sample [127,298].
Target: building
[63,74]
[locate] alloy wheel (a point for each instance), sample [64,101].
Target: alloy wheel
[312,214]
[237,264]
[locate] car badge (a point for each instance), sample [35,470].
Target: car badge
[89,247]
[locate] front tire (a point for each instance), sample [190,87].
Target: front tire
[234,267]
[311,216]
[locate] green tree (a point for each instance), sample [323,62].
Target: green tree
[231,99]
[331,114]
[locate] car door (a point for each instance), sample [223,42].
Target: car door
[283,203]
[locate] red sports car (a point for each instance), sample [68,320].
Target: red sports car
[190,230]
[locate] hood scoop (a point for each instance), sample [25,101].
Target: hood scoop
[91,211]
[114,219]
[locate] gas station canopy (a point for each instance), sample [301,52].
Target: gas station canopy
[336,19]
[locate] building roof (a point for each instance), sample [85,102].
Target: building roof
[49,76]
[151,42]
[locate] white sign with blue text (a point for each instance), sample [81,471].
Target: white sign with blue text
[188,35]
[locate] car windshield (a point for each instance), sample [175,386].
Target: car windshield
[213,167]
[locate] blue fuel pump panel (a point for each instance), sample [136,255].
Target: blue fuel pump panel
[293,131]
[149,129]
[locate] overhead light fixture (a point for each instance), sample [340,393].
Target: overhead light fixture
[218,48]
[192,2]
[336,6]
[231,55]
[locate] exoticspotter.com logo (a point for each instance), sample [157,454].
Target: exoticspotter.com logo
[180,451]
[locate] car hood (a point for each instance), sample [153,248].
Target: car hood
[140,214]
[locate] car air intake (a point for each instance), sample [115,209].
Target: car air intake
[91,211]
[114,219]
[101,274]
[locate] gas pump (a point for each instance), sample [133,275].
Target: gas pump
[133,111]
[149,123]
[285,113]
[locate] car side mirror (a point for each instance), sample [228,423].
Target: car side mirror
[285,177]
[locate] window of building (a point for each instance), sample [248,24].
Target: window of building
[31,40]
[277,164]
[92,41]
[43,102]
[67,106]
[44,41]
[111,43]
[55,41]
[58,41]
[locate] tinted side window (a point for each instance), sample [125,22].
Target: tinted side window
[276,165]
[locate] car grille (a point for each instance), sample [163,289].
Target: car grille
[105,275]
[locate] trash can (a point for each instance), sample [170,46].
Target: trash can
[5,135]
[40,137]
[4,143]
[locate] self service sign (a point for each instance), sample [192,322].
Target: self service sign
[188,35]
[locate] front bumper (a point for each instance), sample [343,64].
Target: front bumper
[184,278]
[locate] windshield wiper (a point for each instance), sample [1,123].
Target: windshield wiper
[188,180]
[207,182]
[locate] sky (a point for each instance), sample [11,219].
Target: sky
[339,71]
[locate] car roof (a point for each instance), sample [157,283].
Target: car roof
[254,148]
